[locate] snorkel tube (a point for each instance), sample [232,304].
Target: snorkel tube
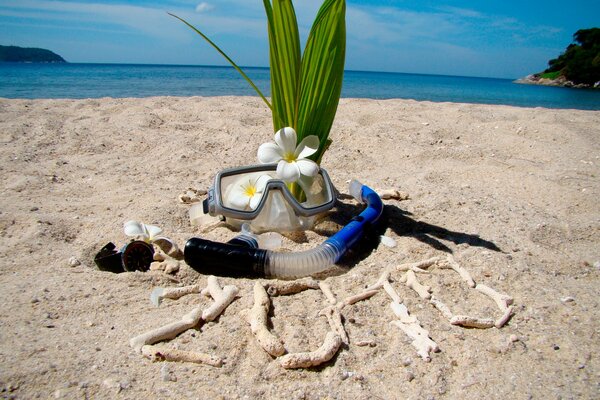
[241,257]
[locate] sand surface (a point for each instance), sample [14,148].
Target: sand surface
[512,193]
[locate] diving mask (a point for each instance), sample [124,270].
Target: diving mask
[256,195]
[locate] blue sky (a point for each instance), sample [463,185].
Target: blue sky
[490,38]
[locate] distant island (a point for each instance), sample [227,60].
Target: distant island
[28,54]
[578,66]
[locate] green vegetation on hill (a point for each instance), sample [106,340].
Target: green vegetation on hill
[22,54]
[580,62]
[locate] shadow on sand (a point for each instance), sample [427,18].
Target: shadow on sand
[402,223]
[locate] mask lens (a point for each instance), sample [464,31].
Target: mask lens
[316,190]
[243,192]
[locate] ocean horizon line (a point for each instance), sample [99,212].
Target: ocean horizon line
[117,80]
[267,68]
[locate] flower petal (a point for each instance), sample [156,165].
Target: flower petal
[238,200]
[307,147]
[286,139]
[134,228]
[153,231]
[269,153]
[254,200]
[308,167]
[288,172]
[261,182]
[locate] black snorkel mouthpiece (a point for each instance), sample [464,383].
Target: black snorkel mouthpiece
[238,258]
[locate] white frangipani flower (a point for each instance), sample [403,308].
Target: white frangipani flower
[291,160]
[147,233]
[246,192]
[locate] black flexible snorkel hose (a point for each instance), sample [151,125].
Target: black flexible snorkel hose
[241,257]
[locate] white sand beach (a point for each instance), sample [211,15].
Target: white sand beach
[512,193]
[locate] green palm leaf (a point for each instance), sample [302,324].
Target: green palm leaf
[246,77]
[284,57]
[321,74]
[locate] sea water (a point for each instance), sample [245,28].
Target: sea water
[71,80]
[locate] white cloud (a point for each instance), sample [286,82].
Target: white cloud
[204,7]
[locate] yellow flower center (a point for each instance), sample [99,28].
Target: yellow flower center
[289,157]
[250,190]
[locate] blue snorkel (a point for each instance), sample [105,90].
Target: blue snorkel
[243,258]
[354,230]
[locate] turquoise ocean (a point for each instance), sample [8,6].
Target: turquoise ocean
[76,81]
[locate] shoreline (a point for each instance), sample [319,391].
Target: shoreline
[510,192]
[342,98]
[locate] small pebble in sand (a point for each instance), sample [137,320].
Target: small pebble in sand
[393,194]
[166,375]
[387,241]
[514,338]
[346,374]
[74,262]
[567,299]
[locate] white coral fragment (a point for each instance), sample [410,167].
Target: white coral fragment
[357,297]
[168,331]
[442,307]
[464,274]
[326,352]
[502,300]
[393,194]
[258,319]
[159,293]
[411,326]
[419,266]
[326,289]
[500,322]
[143,343]
[411,281]
[282,288]
[334,317]
[155,353]
[472,322]
[221,302]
